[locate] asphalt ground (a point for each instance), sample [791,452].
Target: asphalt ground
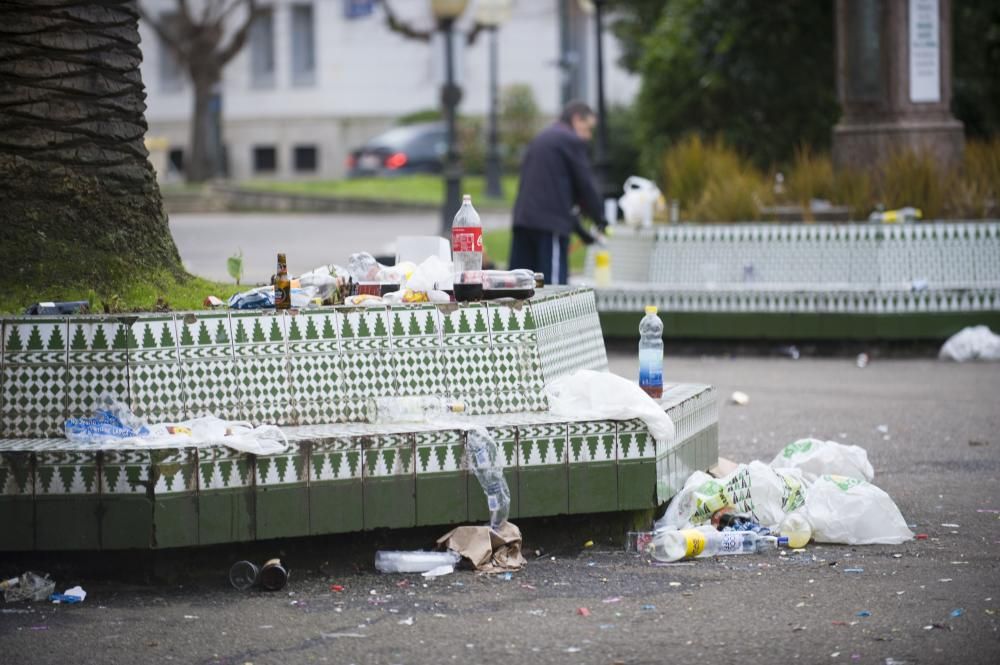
[931,431]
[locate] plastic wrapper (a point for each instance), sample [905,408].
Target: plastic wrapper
[973,343]
[815,458]
[113,421]
[853,512]
[432,274]
[28,586]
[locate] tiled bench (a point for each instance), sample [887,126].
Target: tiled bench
[312,373]
[805,281]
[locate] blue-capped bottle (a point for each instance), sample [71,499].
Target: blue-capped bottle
[651,353]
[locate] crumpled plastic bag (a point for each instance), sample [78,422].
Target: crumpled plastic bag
[815,458]
[972,343]
[754,490]
[432,274]
[641,198]
[607,396]
[112,421]
[853,512]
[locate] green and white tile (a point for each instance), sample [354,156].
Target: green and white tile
[33,401]
[155,384]
[208,367]
[96,370]
[262,367]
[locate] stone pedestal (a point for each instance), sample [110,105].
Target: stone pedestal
[894,82]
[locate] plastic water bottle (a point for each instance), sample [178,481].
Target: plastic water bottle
[691,543]
[467,252]
[602,269]
[486,463]
[651,353]
[412,409]
[796,528]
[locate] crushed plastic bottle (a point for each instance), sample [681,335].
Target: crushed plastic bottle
[28,586]
[413,409]
[112,421]
[691,543]
[486,462]
[393,561]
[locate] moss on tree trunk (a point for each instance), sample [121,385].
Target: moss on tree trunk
[79,202]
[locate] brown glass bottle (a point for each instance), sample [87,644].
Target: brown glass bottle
[282,285]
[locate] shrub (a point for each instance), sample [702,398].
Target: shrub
[811,177]
[691,164]
[908,178]
[979,186]
[855,190]
[736,197]
[520,120]
[417,117]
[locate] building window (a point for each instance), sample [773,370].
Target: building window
[175,160]
[303,45]
[171,74]
[262,49]
[265,159]
[305,158]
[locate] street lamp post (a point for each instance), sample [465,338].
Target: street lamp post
[490,14]
[601,145]
[446,11]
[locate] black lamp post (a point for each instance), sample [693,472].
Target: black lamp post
[601,144]
[490,14]
[446,11]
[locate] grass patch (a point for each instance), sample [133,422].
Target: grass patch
[496,246]
[423,189]
[141,295]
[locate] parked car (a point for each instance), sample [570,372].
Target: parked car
[416,148]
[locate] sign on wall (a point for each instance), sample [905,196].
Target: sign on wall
[925,51]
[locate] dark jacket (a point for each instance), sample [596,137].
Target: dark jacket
[555,177]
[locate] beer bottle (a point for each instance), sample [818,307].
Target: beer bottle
[282,285]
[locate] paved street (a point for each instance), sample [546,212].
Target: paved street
[204,240]
[939,458]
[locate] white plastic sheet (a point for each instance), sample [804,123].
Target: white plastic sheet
[815,458]
[973,343]
[853,512]
[607,396]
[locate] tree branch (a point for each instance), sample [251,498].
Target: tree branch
[236,43]
[408,31]
[163,33]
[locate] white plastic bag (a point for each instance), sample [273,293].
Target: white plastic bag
[431,274]
[815,458]
[973,343]
[755,490]
[853,512]
[640,198]
[607,396]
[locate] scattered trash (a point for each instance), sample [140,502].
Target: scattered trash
[863,613]
[815,458]
[862,360]
[440,571]
[489,550]
[336,588]
[690,543]
[243,575]
[647,608]
[588,544]
[884,429]
[28,586]
[854,570]
[419,561]
[637,541]
[972,343]
[212,302]
[486,461]
[975,443]
[506,577]
[921,536]
[615,599]
[795,527]
[69,596]
[583,611]
[408,621]
[945,579]
[190,617]
[273,575]
[112,421]
[330,636]
[853,512]
[948,525]
[529,587]
[740,398]
[957,612]
[790,351]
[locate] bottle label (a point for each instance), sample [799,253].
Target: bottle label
[694,541]
[493,502]
[467,239]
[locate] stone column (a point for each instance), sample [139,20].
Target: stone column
[894,82]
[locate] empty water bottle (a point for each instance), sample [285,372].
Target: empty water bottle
[413,409]
[486,462]
[691,543]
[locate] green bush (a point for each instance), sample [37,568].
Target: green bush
[855,190]
[978,192]
[417,117]
[908,178]
[471,144]
[811,177]
[691,164]
[520,120]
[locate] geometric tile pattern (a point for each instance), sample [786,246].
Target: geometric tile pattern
[358,453]
[295,368]
[826,268]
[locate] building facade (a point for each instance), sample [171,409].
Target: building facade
[318,78]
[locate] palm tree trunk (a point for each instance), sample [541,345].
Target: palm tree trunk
[79,202]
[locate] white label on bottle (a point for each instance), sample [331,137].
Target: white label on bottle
[493,501]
